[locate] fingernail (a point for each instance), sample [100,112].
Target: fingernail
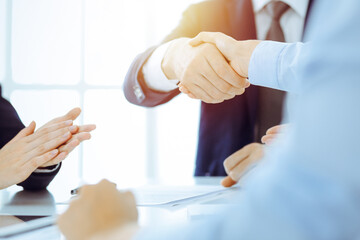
[66,135]
[72,128]
[247,84]
[68,122]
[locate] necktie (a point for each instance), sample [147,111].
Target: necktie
[271,101]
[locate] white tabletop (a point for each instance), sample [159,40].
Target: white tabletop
[17,205]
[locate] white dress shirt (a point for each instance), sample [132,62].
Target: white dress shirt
[292,23]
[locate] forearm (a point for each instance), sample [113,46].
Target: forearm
[272,65]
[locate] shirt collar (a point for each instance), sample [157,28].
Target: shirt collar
[299,6]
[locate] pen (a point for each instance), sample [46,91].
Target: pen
[75,191]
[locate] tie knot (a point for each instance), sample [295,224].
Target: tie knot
[277,9]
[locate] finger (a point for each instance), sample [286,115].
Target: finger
[228,182]
[238,171]
[216,80]
[198,93]
[59,158]
[269,138]
[47,142]
[191,96]
[224,71]
[275,129]
[87,128]
[40,160]
[25,132]
[52,128]
[212,90]
[71,115]
[183,89]
[236,158]
[74,141]
[257,153]
[222,41]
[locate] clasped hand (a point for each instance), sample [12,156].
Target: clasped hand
[212,67]
[47,146]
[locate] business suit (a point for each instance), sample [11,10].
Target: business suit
[10,125]
[225,127]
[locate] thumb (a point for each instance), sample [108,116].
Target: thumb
[228,182]
[223,42]
[25,132]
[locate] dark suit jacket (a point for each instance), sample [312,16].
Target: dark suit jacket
[10,125]
[225,127]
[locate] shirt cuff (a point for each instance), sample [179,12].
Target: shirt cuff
[264,64]
[48,169]
[153,74]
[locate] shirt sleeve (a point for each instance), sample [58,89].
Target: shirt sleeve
[272,65]
[153,74]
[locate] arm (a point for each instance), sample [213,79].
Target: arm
[135,88]
[10,125]
[181,62]
[278,60]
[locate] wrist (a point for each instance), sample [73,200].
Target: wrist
[245,51]
[170,63]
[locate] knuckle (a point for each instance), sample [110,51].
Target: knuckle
[34,163]
[41,148]
[226,88]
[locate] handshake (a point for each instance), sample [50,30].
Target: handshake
[212,67]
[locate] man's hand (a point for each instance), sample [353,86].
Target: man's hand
[98,209]
[78,134]
[236,164]
[202,70]
[238,53]
[28,151]
[273,133]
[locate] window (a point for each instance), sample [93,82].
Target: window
[58,54]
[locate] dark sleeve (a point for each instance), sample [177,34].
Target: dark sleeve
[39,181]
[135,89]
[10,125]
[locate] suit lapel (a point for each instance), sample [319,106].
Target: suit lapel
[244,28]
[241,19]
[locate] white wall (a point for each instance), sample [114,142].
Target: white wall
[67,53]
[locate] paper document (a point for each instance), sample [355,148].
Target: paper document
[177,195]
[42,228]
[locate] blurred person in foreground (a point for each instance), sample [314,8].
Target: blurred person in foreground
[305,188]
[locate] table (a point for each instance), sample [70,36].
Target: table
[17,205]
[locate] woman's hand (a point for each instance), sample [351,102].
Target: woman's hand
[79,134]
[29,150]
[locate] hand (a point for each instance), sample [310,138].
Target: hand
[273,133]
[28,151]
[202,70]
[236,164]
[238,53]
[79,134]
[99,208]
